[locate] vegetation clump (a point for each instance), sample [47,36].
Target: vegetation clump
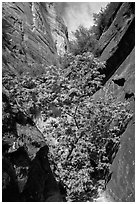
[86,40]
[87,132]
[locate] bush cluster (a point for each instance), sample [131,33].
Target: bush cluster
[87,132]
[86,40]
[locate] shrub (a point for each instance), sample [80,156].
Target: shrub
[83,139]
[104,18]
[80,76]
[85,41]
[86,132]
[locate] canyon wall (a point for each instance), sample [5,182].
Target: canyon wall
[33,36]
[117,45]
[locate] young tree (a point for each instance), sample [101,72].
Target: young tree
[87,131]
[85,41]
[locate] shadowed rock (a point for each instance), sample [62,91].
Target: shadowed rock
[19,157]
[41,184]
[10,190]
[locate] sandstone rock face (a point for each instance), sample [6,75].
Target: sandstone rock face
[41,184]
[117,45]
[121,186]
[119,40]
[33,36]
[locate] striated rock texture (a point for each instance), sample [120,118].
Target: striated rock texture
[33,34]
[33,37]
[117,45]
[119,39]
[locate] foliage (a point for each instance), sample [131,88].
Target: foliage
[86,40]
[83,139]
[84,129]
[80,76]
[104,18]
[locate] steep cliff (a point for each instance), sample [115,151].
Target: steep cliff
[117,45]
[119,39]
[33,36]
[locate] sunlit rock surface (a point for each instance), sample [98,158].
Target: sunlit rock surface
[33,36]
[119,39]
[117,45]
